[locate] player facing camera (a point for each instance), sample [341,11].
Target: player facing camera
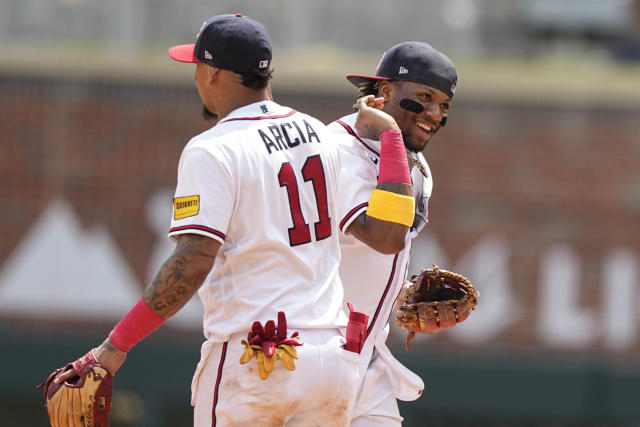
[417,83]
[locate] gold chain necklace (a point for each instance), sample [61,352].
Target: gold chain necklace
[416,162]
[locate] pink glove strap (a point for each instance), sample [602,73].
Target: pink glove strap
[393,158]
[136,325]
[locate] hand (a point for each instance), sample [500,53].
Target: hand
[106,354]
[371,120]
[109,357]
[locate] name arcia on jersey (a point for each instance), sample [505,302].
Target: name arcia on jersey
[280,138]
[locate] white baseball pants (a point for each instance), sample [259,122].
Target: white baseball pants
[319,392]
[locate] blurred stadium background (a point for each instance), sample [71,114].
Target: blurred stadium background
[536,197]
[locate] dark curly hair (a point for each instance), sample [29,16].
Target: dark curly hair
[370,87]
[256,80]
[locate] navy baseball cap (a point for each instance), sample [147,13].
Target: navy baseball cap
[414,62]
[232,42]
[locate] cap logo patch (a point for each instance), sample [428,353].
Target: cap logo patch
[453,88]
[403,70]
[263,64]
[207,55]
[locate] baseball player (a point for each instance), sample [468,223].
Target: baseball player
[417,83]
[256,232]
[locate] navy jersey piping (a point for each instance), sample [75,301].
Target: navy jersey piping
[384,296]
[353,133]
[277,116]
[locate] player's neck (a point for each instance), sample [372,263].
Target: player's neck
[243,96]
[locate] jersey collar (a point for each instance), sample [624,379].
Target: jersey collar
[261,109]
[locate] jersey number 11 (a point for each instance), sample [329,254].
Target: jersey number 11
[312,171]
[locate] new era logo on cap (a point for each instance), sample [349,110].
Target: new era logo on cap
[416,62]
[207,54]
[263,64]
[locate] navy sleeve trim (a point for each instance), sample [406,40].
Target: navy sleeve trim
[351,213]
[199,228]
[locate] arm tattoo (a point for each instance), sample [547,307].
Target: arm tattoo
[182,274]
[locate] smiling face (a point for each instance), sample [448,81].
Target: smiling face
[417,128]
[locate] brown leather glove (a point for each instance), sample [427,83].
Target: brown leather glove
[83,400]
[435,300]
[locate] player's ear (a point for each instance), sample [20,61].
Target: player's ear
[212,74]
[384,90]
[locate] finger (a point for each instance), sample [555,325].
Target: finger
[370,100]
[377,103]
[366,101]
[65,376]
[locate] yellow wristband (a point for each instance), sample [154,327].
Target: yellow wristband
[392,207]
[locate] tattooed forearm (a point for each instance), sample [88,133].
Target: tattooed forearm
[182,274]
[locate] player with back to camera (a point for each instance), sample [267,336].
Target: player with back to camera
[417,84]
[256,232]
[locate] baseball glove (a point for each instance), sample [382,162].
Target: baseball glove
[84,400]
[435,300]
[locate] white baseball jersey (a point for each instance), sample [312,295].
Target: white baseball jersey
[371,280]
[263,182]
